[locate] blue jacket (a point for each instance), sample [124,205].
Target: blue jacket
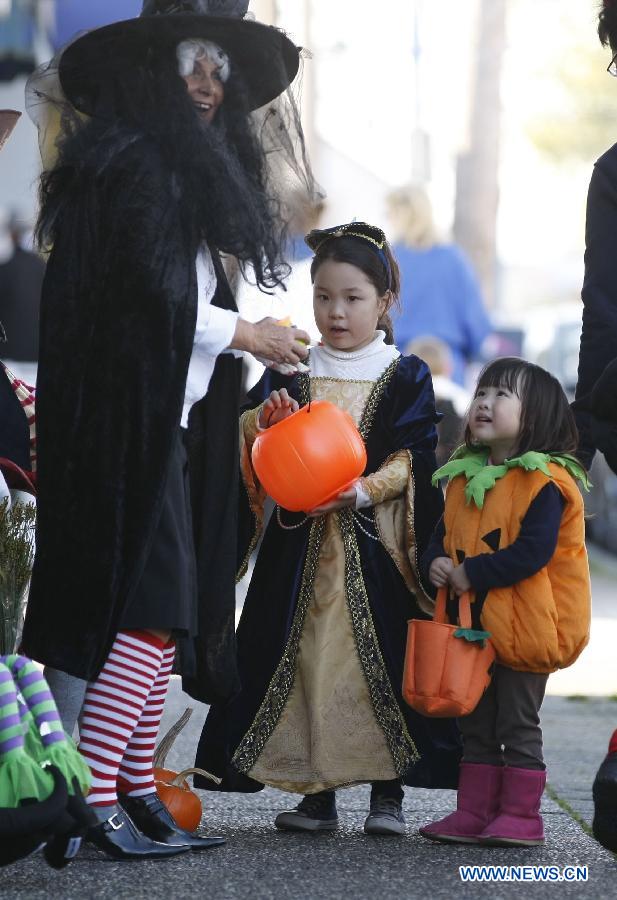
[440,297]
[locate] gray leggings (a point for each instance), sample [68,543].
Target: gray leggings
[69,693]
[504,728]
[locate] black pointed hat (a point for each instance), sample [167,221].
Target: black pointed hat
[266,57]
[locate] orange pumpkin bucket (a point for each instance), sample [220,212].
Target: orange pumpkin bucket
[309,457]
[447,667]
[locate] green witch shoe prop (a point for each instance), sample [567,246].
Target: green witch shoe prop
[42,776]
[45,739]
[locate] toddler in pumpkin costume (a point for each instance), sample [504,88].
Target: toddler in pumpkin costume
[513,535]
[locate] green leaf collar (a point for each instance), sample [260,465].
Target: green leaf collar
[481,476]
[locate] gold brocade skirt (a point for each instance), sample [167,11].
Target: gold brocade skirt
[327,735]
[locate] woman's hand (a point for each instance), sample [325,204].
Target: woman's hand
[458,580]
[345,498]
[274,342]
[440,570]
[277,407]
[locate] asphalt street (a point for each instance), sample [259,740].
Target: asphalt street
[259,862]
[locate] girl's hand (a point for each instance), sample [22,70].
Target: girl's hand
[277,407]
[345,498]
[439,571]
[459,581]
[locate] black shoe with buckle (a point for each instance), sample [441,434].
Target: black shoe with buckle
[118,837]
[153,818]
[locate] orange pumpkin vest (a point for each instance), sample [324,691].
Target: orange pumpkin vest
[542,623]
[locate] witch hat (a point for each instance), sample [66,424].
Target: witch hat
[264,55]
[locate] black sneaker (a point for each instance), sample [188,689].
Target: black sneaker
[385,817]
[316,812]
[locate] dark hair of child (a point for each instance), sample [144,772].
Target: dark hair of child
[547,422]
[358,252]
[607,24]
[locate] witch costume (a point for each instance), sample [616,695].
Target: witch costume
[137,400]
[118,322]
[321,640]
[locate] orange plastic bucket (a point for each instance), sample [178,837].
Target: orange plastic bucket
[309,457]
[445,675]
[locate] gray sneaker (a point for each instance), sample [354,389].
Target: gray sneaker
[316,812]
[385,817]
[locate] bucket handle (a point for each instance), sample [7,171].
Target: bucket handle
[464,608]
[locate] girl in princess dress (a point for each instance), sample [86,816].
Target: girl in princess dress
[321,640]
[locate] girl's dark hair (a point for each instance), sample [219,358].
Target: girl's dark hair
[362,254]
[607,24]
[218,170]
[547,422]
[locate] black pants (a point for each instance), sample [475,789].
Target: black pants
[504,728]
[390,790]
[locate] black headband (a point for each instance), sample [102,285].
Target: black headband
[373,235]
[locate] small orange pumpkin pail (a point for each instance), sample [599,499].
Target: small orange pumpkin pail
[447,667]
[309,457]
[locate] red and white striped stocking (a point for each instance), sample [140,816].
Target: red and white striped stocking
[113,706]
[135,776]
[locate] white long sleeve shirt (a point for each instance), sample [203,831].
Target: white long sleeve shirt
[214,332]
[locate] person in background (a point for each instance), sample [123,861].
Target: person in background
[451,399]
[21,281]
[17,398]
[594,407]
[440,294]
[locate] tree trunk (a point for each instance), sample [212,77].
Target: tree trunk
[477,187]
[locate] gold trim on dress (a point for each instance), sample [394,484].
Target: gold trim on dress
[341,380]
[387,711]
[253,742]
[370,410]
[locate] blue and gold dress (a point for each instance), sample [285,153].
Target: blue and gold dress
[321,639]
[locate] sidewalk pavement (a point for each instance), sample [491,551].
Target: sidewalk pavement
[262,864]
[595,671]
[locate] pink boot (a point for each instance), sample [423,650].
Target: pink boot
[518,822]
[477,802]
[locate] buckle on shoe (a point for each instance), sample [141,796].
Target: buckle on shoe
[117,825]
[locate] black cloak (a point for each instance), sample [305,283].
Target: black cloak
[118,317]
